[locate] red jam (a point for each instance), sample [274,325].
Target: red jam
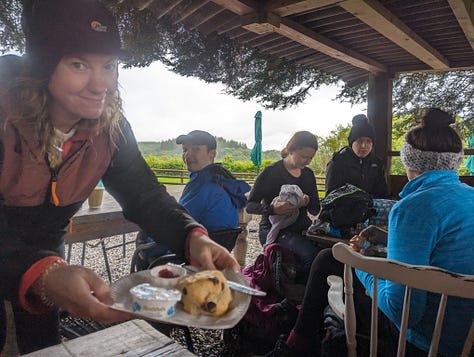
[166,273]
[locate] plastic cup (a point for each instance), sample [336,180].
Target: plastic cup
[95,197]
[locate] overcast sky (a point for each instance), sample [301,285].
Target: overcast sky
[161,105]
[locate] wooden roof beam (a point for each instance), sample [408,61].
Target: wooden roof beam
[239,7]
[142,4]
[311,39]
[208,17]
[160,9]
[266,22]
[290,7]
[464,12]
[383,21]
[190,11]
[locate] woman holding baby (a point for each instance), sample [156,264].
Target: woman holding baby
[265,200]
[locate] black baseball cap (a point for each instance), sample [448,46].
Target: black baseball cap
[54,28]
[198,137]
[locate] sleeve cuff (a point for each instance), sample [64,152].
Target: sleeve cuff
[187,252]
[29,277]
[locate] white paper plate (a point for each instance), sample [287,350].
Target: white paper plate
[238,308]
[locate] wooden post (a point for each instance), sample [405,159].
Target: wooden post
[379,112]
[241,244]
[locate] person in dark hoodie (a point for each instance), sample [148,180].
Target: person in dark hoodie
[356,164]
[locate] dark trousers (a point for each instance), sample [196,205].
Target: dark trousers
[34,332]
[309,323]
[304,249]
[3,325]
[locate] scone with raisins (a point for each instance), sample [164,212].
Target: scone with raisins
[205,293]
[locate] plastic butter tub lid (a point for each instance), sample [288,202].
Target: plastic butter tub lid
[148,292]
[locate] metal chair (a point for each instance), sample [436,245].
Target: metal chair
[227,238]
[426,278]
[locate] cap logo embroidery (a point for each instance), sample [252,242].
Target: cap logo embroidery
[97,26]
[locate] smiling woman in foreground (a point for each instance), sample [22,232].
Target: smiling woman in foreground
[62,130]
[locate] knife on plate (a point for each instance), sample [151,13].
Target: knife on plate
[245,289]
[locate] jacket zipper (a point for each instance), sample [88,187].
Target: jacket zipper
[54,182]
[361,169]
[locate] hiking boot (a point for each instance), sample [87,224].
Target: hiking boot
[281,349]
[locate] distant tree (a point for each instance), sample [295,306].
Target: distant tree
[336,139]
[451,91]
[169,144]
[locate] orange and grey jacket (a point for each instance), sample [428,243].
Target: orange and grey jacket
[37,203]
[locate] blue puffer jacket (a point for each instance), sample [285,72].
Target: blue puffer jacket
[431,225]
[213,197]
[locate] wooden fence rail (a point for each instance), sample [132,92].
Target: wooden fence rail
[181,177]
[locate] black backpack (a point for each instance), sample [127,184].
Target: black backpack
[277,272]
[346,206]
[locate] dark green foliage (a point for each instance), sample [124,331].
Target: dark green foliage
[235,150]
[451,91]
[249,74]
[246,73]
[11,35]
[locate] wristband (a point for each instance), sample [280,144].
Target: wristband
[44,298]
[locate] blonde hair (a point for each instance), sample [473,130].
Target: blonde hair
[30,98]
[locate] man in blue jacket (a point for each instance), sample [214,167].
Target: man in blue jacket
[213,196]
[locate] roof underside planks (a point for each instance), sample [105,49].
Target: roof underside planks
[347,38]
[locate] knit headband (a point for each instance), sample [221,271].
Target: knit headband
[421,161]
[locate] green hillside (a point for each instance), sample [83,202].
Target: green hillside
[237,151]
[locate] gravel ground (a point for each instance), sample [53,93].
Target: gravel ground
[206,342]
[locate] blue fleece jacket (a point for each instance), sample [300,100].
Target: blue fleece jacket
[433,225]
[213,198]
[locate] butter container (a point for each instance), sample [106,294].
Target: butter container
[154,301]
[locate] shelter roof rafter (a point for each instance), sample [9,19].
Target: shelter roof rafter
[384,22]
[372,36]
[464,12]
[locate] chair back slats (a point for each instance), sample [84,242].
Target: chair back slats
[350,316]
[375,319]
[426,278]
[466,351]
[438,325]
[404,323]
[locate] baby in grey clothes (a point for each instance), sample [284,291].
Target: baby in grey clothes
[291,194]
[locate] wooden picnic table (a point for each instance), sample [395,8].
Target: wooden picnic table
[131,338]
[108,220]
[105,221]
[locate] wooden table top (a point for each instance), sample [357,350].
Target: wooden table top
[105,221]
[109,208]
[325,240]
[131,338]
